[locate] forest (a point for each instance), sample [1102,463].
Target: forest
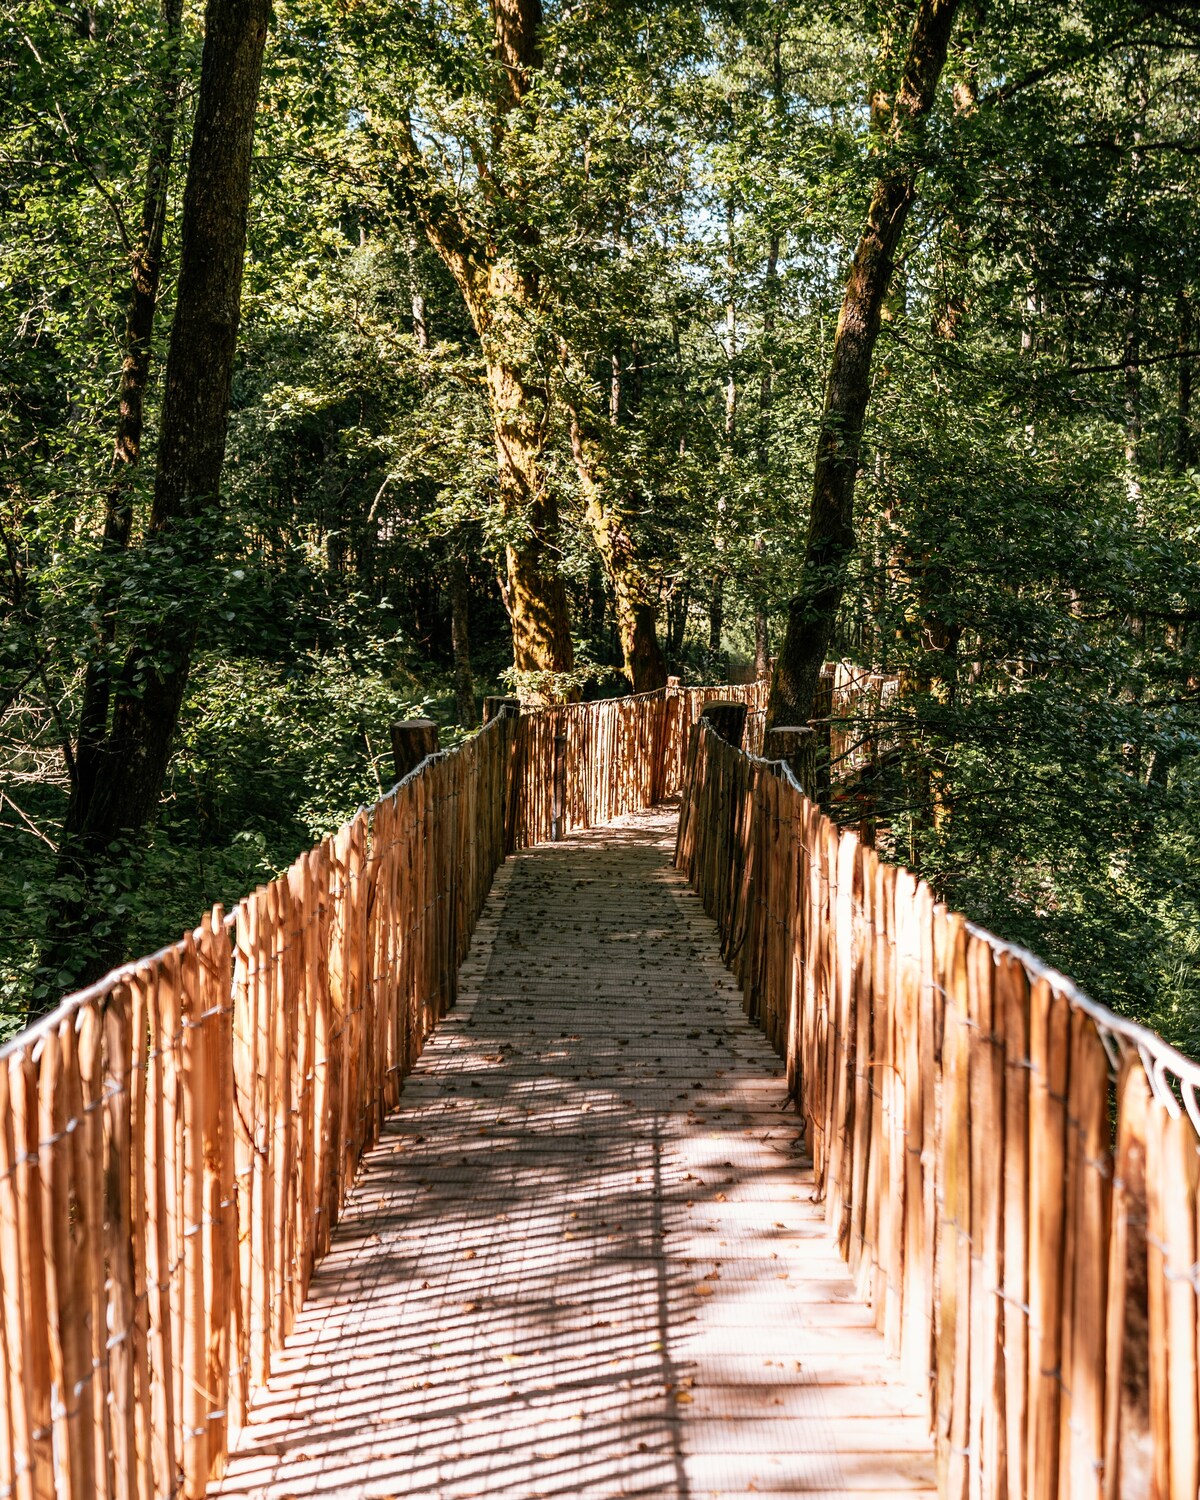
[359,359]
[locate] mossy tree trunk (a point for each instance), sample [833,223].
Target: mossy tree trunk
[613,534]
[496,272]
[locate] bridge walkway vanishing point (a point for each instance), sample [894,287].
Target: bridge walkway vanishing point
[559,1271]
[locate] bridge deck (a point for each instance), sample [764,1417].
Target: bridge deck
[582,1260]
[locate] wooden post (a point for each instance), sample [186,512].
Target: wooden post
[493,707]
[796,744]
[662,738]
[412,741]
[823,753]
[727,720]
[559,785]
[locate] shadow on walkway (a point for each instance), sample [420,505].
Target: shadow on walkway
[583,1260]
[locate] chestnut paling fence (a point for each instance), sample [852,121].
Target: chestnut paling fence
[1010,1168]
[582,764]
[176,1142]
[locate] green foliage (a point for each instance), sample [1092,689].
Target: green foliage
[690,184]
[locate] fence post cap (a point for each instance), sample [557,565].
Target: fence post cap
[495,706]
[412,741]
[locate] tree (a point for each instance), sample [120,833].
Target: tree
[132,759]
[497,273]
[145,271]
[812,613]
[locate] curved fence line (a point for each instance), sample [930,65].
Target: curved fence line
[1004,1162]
[1010,1168]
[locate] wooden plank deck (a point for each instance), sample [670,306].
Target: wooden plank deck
[583,1260]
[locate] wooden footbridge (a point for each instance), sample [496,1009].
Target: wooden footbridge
[692,1152]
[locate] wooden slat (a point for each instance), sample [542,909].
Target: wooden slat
[160,1221]
[954,1256]
[244,1061]
[68,1299]
[915,1309]
[88,1144]
[1157,1166]
[1012,993]
[1128,1444]
[121,1325]
[988,1477]
[140,1170]
[1049,1050]
[36,1311]
[1082,1446]
[220,1261]
[18,1418]
[193,1335]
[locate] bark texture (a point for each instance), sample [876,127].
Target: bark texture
[145,275]
[1184,443]
[612,532]
[536,597]
[460,645]
[132,760]
[831,539]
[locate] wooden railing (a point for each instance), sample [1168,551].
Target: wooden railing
[584,764]
[176,1142]
[1010,1169]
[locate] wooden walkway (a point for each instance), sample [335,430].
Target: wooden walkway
[583,1260]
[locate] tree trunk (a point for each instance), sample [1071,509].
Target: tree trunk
[503,297]
[677,618]
[766,392]
[716,623]
[830,543]
[195,414]
[1165,758]
[731,394]
[536,597]
[460,644]
[633,599]
[503,302]
[145,274]
[420,325]
[1131,356]
[762,639]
